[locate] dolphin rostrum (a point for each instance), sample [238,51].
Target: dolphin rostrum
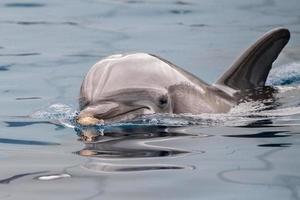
[122,87]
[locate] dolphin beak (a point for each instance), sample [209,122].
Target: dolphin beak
[87,117]
[89,121]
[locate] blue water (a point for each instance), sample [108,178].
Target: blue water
[46,47]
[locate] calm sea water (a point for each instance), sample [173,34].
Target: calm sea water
[46,47]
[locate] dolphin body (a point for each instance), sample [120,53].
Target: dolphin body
[122,87]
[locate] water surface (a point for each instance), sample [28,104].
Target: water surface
[46,47]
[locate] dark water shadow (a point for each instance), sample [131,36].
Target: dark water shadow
[264,123]
[5,67]
[134,2]
[182,3]
[24,5]
[264,134]
[14,124]
[28,98]
[25,142]
[32,23]
[180,12]
[21,54]
[275,145]
[199,25]
[83,55]
[12,178]
[108,167]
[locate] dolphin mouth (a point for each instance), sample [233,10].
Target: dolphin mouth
[127,115]
[118,117]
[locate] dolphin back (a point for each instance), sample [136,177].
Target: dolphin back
[251,69]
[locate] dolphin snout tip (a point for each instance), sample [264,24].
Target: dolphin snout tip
[89,121]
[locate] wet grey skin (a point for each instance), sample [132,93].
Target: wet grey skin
[123,87]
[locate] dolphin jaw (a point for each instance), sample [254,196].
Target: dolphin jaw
[129,115]
[88,119]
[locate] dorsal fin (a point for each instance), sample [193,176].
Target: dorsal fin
[251,69]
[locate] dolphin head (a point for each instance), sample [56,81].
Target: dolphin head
[123,87]
[123,105]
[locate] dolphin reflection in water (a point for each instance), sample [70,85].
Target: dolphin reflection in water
[125,149]
[129,142]
[123,87]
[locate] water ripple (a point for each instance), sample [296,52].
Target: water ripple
[5,67]
[108,167]
[30,23]
[12,178]
[21,54]
[25,5]
[25,142]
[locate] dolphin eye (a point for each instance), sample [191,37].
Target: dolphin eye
[163,100]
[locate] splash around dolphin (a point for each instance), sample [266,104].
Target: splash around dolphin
[123,87]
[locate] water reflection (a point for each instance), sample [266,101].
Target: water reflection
[129,143]
[263,134]
[111,150]
[108,167]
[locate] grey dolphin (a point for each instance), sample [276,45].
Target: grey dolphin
[122,87]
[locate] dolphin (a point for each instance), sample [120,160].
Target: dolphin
[123,87]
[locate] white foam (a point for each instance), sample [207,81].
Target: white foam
[57,112]
[285,74]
